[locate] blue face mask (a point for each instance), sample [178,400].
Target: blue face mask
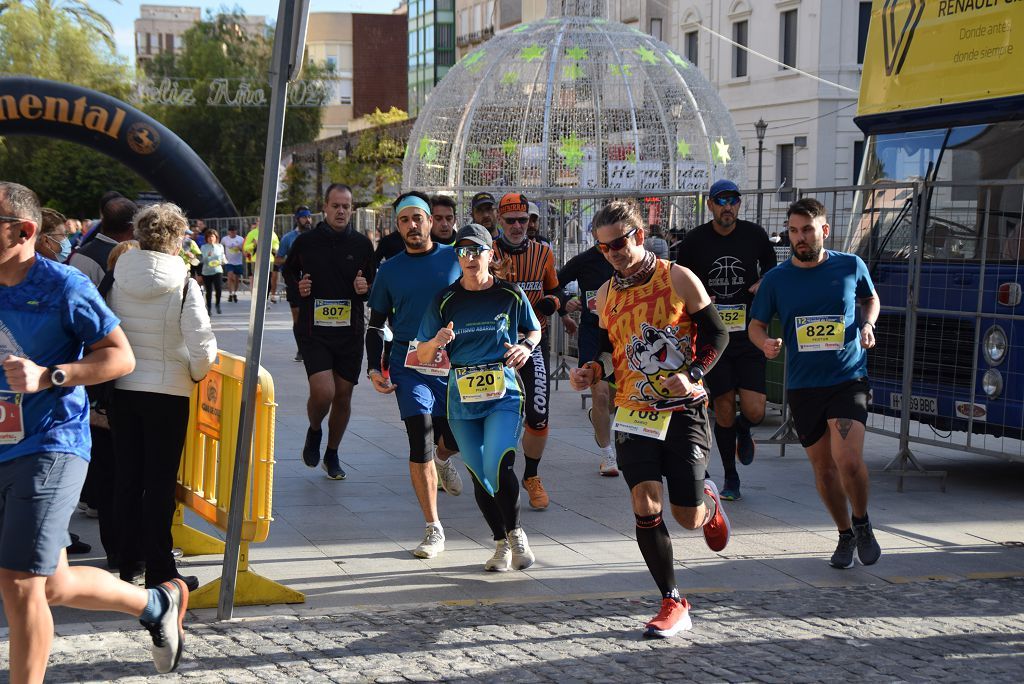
[65,250]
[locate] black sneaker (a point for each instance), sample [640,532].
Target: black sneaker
[168,632]
[298,356]
[843,556]
[868,550]
[333,468]
[311,450]
[77,545]
[744,446]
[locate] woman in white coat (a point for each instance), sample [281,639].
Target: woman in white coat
[162,312]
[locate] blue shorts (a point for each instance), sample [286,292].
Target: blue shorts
[233,268]
[418,394]
[38,494]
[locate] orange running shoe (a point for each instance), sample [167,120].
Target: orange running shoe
[673,617]
[717,529]
[538,497]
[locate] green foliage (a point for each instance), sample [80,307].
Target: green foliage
[231,140]
[297,180]
[60,42]
[376,161]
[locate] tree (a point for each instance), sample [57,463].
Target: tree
[230,139]
[52,40]
[375,163]
[79,12]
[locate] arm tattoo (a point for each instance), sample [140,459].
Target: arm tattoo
[844,425]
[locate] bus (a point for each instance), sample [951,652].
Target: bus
[937,215]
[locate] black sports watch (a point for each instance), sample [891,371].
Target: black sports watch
[57,376]
[529,344]
[695,373]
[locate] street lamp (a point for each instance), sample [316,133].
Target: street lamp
[760,127]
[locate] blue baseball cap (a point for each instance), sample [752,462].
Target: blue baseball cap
[722,186]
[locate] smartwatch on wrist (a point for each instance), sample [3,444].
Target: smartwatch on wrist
[57,376]
[529,344]
[695,373]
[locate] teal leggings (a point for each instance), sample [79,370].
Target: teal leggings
[488,448]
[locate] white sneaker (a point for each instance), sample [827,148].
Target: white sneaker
[522,556]
[448,476]
[609,466]
[432,544]
[501,561]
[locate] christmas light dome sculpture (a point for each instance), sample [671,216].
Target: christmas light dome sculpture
[570,106]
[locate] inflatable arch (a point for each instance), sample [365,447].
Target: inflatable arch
[32,106]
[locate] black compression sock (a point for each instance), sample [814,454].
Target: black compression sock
[860,521]
[656,548]
[725,438]
[330,452]
[531,467]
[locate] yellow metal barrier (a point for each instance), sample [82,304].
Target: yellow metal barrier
[204,479]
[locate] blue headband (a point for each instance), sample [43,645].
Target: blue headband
[412,201]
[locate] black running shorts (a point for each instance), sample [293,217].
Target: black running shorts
[812,407]
[342,354]
[681,458]
[741,366]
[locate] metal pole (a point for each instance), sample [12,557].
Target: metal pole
[760,197]
[280,67]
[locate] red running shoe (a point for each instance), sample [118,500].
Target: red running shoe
[716,530]
[673,617]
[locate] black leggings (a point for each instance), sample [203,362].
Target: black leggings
[213,282]
[424,433]
[502,510]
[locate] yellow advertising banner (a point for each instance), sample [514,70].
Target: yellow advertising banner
[924,53]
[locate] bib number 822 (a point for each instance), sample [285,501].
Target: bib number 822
[821,329]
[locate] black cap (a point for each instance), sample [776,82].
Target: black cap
[482,198]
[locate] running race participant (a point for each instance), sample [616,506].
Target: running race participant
[730,256]
[233,266]
[484,211]
[303,223]
[662,336]
[252,240]
[332,266]
[404,287]
[590,270]
[531,266]
[477,320]
[442,213]
[817,294]
[50,313]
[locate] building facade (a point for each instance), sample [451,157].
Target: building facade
[811,139]
[161,28]
[431,47]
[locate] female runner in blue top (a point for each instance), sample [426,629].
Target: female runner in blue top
[480,319]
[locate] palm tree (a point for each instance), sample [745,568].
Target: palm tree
[79,11]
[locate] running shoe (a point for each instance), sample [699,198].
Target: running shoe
[842,557]
[218,308]
[744,446]
[77,545]
[168,633]
[609,467]
[448,476]
[522,556]
[432,544]
[332,466]
[673,618]
[731,491]
[501,561]
[298,356]
[191,581]
[311,450]
[538,497]
[717,529]
[868,550]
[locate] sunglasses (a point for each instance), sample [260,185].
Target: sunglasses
[470,252]
[729,201]
[616,244]
[520,219]
[11,219]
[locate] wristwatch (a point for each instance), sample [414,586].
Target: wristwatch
[57,376]
[529,344]
[695,373]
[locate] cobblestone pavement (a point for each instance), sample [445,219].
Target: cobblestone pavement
[931,631]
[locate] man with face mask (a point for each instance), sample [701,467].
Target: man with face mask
[828,308]
[53,242]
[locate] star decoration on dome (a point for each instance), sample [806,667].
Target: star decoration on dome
[646,55]
[620,69]
[571,151]
[510,78]
[570,72]
[470,60]
[721,152]
[521,28]
[474,158]
[577,53]
[509,146]
[682,149]
[532,53]
[677,60]
[427,150]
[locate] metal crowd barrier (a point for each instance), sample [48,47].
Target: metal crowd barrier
[204,480]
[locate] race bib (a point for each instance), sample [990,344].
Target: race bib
[12,422]
[820,333]
[480,383]
[439,366]
[213,263]
[734,316]
[592,301]
[234,250]
[650,423]
[332,313]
